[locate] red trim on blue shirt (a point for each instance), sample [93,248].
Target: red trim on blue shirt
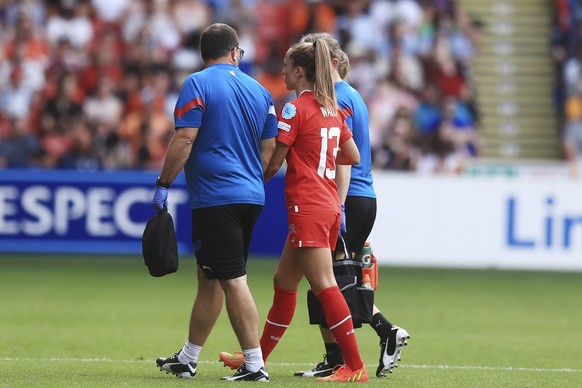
[345,112]
[179,112]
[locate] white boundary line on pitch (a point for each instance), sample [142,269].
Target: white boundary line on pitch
[462,367]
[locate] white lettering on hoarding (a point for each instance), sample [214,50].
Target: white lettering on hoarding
[99,203]
[122,208]
[8,197]
[70,205]
[38,210]
[34,201]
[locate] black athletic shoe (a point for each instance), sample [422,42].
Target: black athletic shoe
[174,366]
[323,369]
[390,350]
[242,374]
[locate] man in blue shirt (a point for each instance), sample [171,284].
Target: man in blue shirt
[225,136]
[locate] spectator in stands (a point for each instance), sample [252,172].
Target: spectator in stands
[186,59]
[458,128]
[428,116]
[65,57]
[366,70]
[559,54]
[144,157]
[109,11]
[405,66]
[58,115]
[308,16]
[573,69]
[389,99]
[82,155]
[16,96]
[439,156]
[104,59]
[104,106]
[572,133]
[446,71]
[150,22]
[427,30]
[31,71]
[72,23]
[25,33]
[399,150]
[19,148]
[464,36]
[189,15]
[160,101]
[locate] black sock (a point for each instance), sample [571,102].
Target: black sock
[381,325]
[334,354]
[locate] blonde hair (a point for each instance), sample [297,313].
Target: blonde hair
[343,68]
[314,59]
[336,51]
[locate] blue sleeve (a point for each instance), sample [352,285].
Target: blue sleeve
[190,105]
[350,122]
[270,129]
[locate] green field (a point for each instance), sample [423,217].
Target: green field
[102,321]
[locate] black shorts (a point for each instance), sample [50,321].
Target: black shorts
[360,218]
[221,237]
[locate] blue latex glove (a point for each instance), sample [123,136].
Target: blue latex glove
[343,228]
[160,200]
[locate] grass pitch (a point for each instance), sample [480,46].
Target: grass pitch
[102,321]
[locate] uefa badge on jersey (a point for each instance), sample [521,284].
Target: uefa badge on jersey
[288,111]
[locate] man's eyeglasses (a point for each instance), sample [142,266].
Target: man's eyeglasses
[241,52]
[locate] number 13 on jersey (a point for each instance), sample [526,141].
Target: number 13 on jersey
[327,139]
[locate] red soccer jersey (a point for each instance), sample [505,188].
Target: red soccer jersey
[313,135]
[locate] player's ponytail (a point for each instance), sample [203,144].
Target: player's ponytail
[323,87]
[314,58]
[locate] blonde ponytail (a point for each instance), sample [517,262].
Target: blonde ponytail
[314,59]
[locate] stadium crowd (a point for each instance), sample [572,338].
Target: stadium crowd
[92,84]
[566,50]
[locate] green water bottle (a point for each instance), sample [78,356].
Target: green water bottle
[365,255]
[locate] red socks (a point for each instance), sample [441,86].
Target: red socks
[339,321]
[278,320]
[337,316]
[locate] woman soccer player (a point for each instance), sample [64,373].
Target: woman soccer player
[312,139]
[356,190]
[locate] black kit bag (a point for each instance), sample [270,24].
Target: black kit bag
[159,245]
[348,275]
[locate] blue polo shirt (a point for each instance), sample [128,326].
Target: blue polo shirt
[233,113]
[354,108]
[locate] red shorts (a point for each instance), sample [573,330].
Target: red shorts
[314,230]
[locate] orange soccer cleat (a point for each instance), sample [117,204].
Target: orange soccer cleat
[233,361]
[343,374]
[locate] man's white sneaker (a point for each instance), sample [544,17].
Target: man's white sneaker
[174,366]
[390,350]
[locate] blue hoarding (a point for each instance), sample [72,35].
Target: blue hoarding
[106,212]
